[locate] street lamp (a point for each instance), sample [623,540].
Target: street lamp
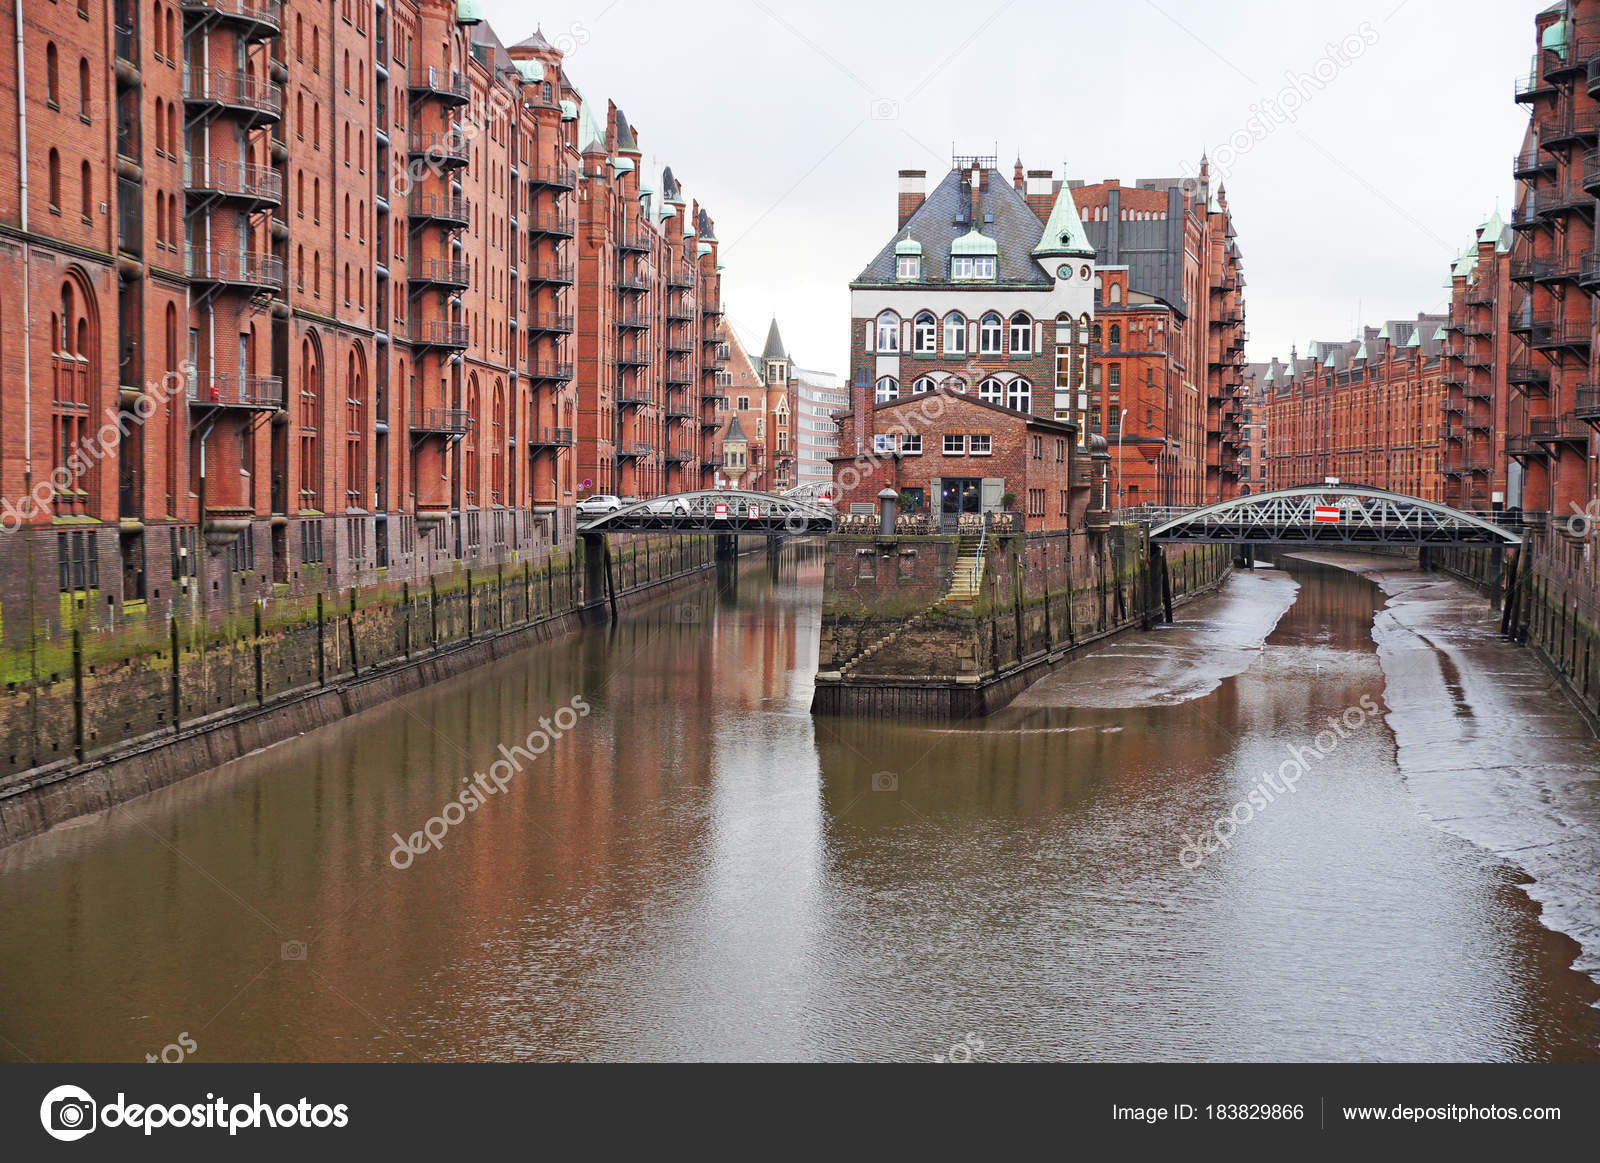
[1121,420]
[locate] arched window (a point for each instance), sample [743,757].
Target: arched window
[347,215]
[989,333]
[300,268]
[174,142]
[52,76]
[172,36]
[300,116]
[1021,334]
[316,273]
[1116,335]
[316,199]
[361,221]
[888,389]
[992,391]
[316,49]
[83,87]
[955,384]
[1097,333]
[346,70]
[361,150]
[73,367]
[1019,395]
[888,332]
[346,284]
[86,195]
[175,411]
[469,442]
[316,125]
[54,174]
[309,414]
[299,39]
[161,218]
[922,384]
[497,427]
[161,126]
[1116,293]
[955,333]
[300,193]
[924,334]
[355,426]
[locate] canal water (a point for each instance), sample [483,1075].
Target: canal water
[692,867]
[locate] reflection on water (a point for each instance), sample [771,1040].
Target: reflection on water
[699,869]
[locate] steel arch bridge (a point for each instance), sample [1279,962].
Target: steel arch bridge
[716,511]
[1331,515]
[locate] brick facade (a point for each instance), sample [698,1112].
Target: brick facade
[322,292]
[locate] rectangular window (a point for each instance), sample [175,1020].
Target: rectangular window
[1037,445]
[1061,451]
[954,445]
[980,445]
[882,442]
[911,444]
[908,267]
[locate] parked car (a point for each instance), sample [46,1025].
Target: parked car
[599,504]
[670,506]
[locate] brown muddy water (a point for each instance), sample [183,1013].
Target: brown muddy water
[698,869]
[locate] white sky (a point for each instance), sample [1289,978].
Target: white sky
[789,121]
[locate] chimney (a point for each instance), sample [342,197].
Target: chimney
[1017,179]
[1040,193]
[913,189]
[977,185]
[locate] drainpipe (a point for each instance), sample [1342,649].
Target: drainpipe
[27,261]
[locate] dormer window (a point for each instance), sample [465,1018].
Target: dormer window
[908,260]
[972,268]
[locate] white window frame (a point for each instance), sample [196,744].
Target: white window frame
[992,391]
[888,332]
[986,332]
[908,268]
[955,333]
[1019,395]
[954,444]
[886,390]
[1022,331]
[922,385]
[980,444]
[911,444]
[925,334]
[883,442]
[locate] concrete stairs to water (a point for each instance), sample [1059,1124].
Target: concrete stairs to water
[967,577]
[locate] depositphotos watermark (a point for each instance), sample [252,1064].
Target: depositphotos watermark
[1273,784]
[480,785]
[1585,522]
[70,1112]
[1300,89]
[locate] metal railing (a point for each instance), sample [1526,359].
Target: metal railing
[551,438]
[562,225]
[453,421]
[251,268]
[550,321]
[225,389]
[435,82]
[437,333]
[561,177]
[548,272]
[444,207]
[268,13]
[233,89]
[633,448]
[441,145]
[448,272]
[544,369]
[243,179]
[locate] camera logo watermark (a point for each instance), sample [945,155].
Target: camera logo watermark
[965,1050]
[481,786]
[68,1113]
[1274,784]
[1584,522]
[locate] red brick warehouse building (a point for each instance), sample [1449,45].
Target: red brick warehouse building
[313,284]
[982,303]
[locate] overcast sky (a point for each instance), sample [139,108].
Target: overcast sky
[1382,137]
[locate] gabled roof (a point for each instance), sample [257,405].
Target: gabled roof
[536,42]
[945,216]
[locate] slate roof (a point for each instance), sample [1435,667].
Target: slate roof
[1016,230]
[774,348]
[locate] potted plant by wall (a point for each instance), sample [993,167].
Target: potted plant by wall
[1008,501]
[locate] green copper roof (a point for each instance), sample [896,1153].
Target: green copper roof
[1555,37]
[1439,336]
[908,246]
[1329,361]
[1496,231]
[469,12]
[1416,338]
[1464,266]
[1361,352]
[1383,332]
[646,189]
[668,211]
[623,165]
[1063,233]
[975,242]
[702,249]
[569,111]
[590,132]
[532,71]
